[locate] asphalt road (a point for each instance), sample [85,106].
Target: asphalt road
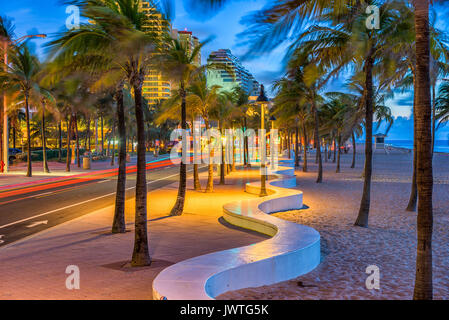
[25,210]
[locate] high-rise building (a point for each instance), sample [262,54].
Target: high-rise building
[156,86]
[189,41]
[241,76]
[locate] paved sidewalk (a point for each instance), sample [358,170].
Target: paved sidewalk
[35,268]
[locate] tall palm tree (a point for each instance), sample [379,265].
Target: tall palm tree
[202,99]
[423,279]
[313,78]
[222,112]
[129,49]
[45,98]
[20,76]
[179,62]
[241,100]
[7,29]
[289,104]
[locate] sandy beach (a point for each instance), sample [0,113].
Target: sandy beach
[389,242]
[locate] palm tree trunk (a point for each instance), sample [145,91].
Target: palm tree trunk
[102,134]
[60,141]
[413,200]
[233,153]
[329,155]
[289,142]
[362,219]
[88,147]
[339,155]
[27,110]
[304,163]
[423,279]
[113,143]
[297,146]
[44,149]
[178,208]
[210,168]
[69,132]
[335,152]
[78,157]
[318,144]
[196,177]
[325,151]
[244,140]
[118,225]
[353,149]
[14,137]
[108,152]
[222,164]
[141,255]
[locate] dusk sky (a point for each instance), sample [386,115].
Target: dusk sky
[49,16]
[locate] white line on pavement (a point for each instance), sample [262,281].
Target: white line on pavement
[103,181]
[42,194]
[37,223]
[82,202]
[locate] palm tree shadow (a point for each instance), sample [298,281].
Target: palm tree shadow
[161,218]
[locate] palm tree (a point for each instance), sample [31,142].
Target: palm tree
[170,110]
[305,70]
[20,76]
[179,62]
[443,105]
[336,113]
[202,99]
[45,98]
[128,49]
[6,35]
[291,105]
[423,279]
[222,112]
[241,100]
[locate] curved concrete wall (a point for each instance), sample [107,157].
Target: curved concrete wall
[292,251]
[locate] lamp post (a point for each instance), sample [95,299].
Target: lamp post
[6,43]
[262,100]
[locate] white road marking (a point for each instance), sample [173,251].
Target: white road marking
[37,223]
[82,202]
[42,194]
[103,181]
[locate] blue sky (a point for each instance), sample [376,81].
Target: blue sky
[31,16]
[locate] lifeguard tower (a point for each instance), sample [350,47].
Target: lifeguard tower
[379,141]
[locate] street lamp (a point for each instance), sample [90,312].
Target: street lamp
[262,100]
[7,42]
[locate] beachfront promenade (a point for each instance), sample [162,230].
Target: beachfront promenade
[35,267]
[293,249]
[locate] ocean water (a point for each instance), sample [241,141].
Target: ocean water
[440,145]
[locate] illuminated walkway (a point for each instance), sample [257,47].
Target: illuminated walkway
[35,268]
[293,249]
